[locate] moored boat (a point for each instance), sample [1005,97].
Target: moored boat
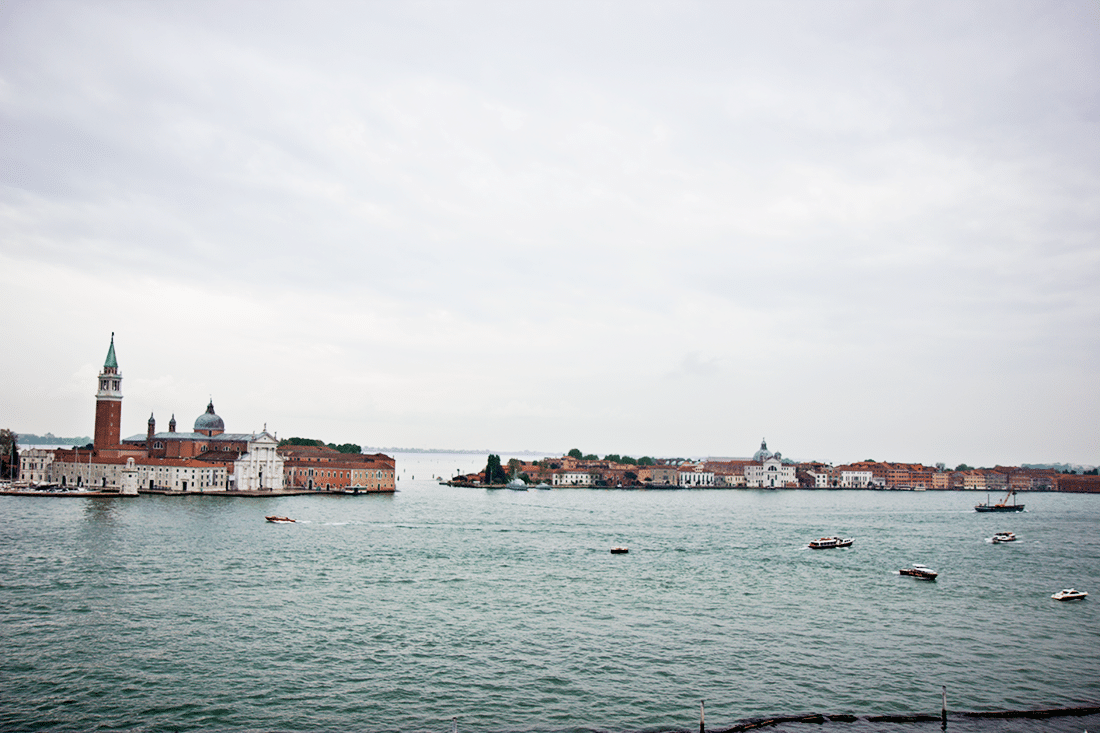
[920,572]
[1069,594]
[827,543]
[1003,537]
[280,520]
[1004,506]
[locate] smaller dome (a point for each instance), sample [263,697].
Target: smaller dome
[208,420]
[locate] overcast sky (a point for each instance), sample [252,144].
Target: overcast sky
[858,229]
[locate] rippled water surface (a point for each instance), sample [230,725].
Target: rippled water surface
[506,609]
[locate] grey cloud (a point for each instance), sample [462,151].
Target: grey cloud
[902,188]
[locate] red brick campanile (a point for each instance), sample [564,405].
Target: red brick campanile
[108,403]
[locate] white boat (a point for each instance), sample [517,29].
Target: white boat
[1003,537]
[920,572]
[517,484]
[1069,594]
[827,543]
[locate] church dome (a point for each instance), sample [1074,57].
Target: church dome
[208,420]
[763,454]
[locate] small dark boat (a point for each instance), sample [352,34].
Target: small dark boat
[619,550]
[1004,506]
[920,572]
[280,520]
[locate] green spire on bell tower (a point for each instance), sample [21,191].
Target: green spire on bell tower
[112,362]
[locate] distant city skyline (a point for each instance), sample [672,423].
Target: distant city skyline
[550,454]
[862,230]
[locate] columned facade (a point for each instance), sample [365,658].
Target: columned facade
[261,468]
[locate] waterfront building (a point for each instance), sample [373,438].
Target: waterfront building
[320,468]
[877,469]
[83,469]
[996,480]
[767,470]
[261,468]
[971,480]
[729,474]
[1075,482]
[897,476]
[34,465]
[855,477]
[208,435]
[659,475]
[813,475]
[207,459]
[574,477]
[695,476]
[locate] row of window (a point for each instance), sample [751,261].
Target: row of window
[335,474]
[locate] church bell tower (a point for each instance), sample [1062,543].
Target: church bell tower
[108,403]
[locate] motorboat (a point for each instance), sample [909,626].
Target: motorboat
[1003,537]
[1069,594]
[919,572]
[280,520]
[1004,506]
[619,550]
[827,543]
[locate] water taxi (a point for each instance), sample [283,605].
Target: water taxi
[919,572]
[827,543]
[1069,594]
[1003,537]
[280,520]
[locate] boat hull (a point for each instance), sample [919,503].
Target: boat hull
[999,508]
[919,574]
[830,543]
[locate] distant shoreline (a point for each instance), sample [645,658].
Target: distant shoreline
[227,494]
[486,451]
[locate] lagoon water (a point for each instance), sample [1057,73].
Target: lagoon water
[506,609]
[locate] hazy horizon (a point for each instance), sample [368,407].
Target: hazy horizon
[858,229]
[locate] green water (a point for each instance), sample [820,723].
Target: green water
[507,610]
